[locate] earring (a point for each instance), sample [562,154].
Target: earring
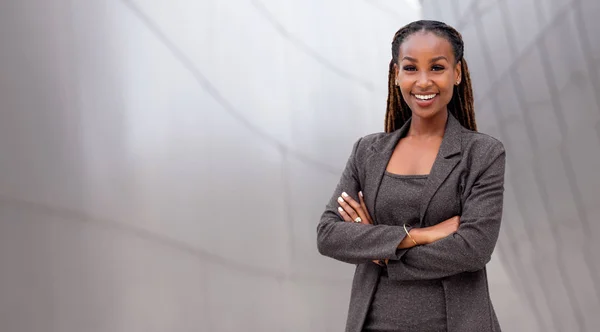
[457,82]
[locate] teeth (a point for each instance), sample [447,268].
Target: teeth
[425,97]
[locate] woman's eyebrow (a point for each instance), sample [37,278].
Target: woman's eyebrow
[441,57]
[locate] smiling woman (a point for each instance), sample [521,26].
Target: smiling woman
[431,58]
[418,207]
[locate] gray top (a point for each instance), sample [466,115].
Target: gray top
[417,305]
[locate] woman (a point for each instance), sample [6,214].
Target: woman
[422,202]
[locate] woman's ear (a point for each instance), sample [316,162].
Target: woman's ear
[396,81]
[458,73]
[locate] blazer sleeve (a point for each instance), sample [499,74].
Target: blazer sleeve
[470,248]
[352,242]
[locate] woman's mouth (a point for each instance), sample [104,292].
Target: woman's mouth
[425,100]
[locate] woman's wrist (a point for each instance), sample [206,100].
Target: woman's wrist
[413,238]
[419,235]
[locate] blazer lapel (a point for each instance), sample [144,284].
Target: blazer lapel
[447,158]
[376,163]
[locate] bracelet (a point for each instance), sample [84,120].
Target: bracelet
[410,236]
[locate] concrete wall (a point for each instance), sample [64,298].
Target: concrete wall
[536,73]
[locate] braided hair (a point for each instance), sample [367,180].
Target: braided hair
[461,104]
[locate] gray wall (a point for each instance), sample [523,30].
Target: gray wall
[163,164]
[536,72]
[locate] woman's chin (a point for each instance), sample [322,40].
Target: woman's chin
[426,113]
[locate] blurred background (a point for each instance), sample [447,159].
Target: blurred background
[163,165]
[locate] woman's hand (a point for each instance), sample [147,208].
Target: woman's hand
[441,230]
[350,210]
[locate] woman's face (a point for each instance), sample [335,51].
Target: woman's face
[426,73]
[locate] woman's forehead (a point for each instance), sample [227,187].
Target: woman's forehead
[425,44]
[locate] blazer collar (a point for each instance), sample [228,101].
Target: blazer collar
[447,158]
[451,142]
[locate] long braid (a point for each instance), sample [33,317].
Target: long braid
[461,104]
[466,98]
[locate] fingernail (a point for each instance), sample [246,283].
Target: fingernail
[344,194]
[340,209]
[341,200]
[360,193]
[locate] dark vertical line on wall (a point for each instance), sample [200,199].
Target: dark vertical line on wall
[586,49]
[520,201]
[553,88]
[588,254]
[520,198]
[518,89]
[582,215]
[598,130]
[565,280]
[514,277]
[558,111]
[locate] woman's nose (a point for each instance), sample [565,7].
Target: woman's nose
[423,80]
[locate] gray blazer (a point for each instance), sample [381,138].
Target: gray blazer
[467,179]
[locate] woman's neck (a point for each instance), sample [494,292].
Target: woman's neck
[428,127]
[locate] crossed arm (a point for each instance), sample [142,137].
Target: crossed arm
[440,252]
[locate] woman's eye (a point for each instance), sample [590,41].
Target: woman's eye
[410,68]
[437,68]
